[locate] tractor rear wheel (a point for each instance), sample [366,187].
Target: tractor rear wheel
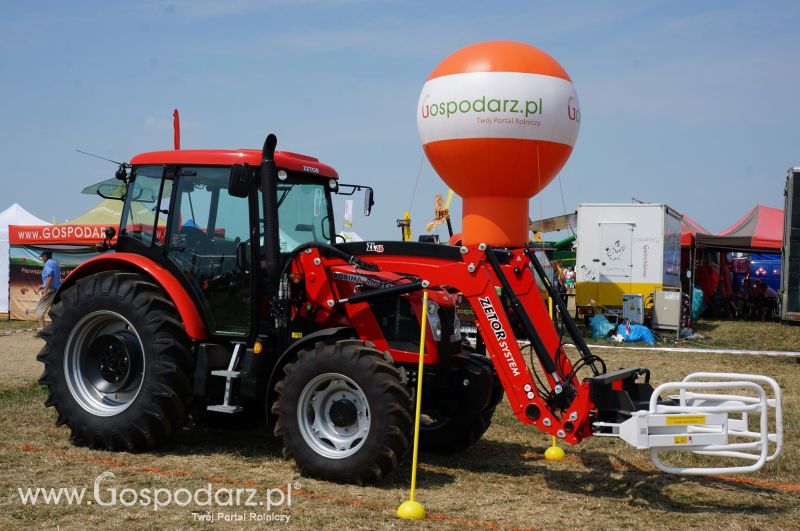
[116,362]
[445,433]
[343,412]
[449,435]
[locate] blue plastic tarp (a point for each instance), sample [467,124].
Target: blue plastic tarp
[633,333]
[600,326]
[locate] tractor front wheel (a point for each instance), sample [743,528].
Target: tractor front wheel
[116,362]
[343,412]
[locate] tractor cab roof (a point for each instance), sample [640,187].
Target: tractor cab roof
[226,157]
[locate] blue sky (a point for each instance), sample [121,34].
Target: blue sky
[690,103]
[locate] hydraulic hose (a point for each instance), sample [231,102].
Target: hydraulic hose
[382,292]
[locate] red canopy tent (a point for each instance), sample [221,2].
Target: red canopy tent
[760,230]
[689,229]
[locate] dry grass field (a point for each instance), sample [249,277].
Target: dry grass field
[501,483]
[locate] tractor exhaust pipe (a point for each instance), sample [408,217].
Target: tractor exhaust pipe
[269,182]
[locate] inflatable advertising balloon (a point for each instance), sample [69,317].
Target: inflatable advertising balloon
[497,121]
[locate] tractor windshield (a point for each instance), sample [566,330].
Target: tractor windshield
[304,214]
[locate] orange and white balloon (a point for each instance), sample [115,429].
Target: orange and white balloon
[497,121]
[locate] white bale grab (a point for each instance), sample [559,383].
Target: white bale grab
[709,419]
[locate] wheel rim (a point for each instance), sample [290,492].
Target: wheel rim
[104,363]
[333,415]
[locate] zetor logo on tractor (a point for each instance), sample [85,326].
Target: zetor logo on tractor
[226,293]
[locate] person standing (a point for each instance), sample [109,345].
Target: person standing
[570,280]
[51,280]
[766,299]
[561,279]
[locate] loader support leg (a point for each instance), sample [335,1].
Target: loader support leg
[538,345]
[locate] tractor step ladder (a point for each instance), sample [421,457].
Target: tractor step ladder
[708,419]
[230,374]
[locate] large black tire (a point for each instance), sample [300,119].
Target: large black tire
[344,412]
[450,435]
[117,363]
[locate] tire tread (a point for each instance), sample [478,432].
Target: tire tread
[372,366]
[156,416]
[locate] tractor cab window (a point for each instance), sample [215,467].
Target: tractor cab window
[209,241]
[143,217]
[162,213]
[302,214]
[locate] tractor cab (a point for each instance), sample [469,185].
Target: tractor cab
[200,214]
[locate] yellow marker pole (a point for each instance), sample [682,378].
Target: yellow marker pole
[406,226]
[554,452]
[411,509]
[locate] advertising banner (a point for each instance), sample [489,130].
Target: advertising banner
[348,213]
[25,274]
[56,234]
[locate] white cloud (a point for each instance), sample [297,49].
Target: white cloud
[152,123]
[203,9]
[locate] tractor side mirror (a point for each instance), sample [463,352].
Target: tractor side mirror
[106,244]
[368,201]
[239,181]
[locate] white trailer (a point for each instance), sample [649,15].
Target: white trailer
[790,257]
[626,248]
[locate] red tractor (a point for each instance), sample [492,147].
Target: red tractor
[227,293]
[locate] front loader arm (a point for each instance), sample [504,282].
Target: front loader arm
[531,404]
[562,407]
[501,286]
[557,407]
